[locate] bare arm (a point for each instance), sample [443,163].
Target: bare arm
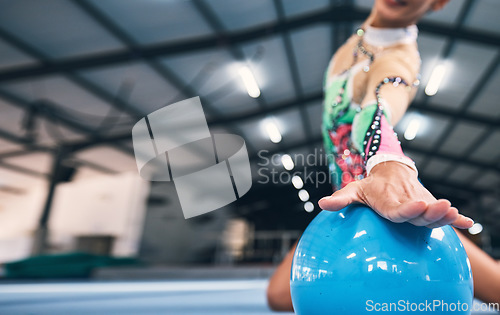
[278,290]
[392,189]
[485,271]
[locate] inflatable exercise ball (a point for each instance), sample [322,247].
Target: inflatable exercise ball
[355,262]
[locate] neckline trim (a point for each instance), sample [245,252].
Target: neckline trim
[390,36]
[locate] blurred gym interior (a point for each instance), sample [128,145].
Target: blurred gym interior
[81,231]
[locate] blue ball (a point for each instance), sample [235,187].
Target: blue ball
[355,262]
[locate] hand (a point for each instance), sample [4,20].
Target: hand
[392,189]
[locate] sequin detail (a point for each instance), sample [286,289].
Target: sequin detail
[373,137]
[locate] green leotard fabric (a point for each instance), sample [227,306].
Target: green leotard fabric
[344,129]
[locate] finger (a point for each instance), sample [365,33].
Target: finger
[435,211]
[463,222]
[449,217]
[341,198]
[407,211]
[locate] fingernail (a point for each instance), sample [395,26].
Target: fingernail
[325,198]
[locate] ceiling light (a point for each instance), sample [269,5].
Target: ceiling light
[297,182]
[303,195]
[287,162]
[249,81]
[272,131]
[476,229]
[435,80]
[309,206]
[412,129]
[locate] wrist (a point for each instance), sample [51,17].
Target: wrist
[394,167]
[383,158]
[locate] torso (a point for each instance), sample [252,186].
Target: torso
[344,91]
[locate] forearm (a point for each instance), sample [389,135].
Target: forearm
[373,134]
[278,289]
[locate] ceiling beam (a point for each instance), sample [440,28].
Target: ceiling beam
[23,170]
[318,96]
[30,147]
[293,66]
[7,135]
[408,148]
[337,14]
[274,110]
[317,141]
[53,114]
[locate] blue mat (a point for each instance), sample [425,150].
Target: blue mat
[159,297]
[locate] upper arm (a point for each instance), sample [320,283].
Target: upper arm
[398,97]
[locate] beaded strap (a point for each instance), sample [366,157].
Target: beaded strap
[373,137]
[380,137]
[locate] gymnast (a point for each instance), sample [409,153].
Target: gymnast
[368,86]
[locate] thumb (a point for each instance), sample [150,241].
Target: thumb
[341,198]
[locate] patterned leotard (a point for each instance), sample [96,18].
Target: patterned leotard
[345,161]
[352,134]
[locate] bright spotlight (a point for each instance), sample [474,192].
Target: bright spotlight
[309,206]
[412,129]
[272,131]
[297,182]
[303,195]
[249,81]
[435,80]
[476,229]
[287,162]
